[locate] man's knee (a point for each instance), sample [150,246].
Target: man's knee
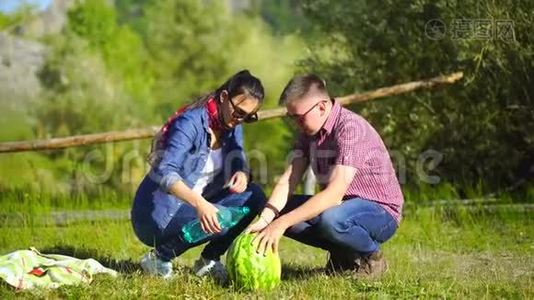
[293,202]
[296,229]
[330,224]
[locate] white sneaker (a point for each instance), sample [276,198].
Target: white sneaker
[207,267]
[151,264]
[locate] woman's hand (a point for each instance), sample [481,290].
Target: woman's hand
[207,214]
[238,183]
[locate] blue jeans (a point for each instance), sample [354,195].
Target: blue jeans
[356,225]
[158,218]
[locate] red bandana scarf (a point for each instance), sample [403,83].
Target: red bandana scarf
[213,116]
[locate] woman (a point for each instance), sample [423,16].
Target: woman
[198,166]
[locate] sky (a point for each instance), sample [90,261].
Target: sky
[7,6]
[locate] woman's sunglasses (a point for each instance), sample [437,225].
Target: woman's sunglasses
[241,115]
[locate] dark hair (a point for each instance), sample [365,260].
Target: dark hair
[241,82]
[299,86]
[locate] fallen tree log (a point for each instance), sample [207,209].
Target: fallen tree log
[143,133]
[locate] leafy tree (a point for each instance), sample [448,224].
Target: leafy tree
[8,21]
[103,75]
[195,46]
[120,47]
[95,79]
[483,126]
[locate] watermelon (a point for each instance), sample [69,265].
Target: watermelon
[249,270]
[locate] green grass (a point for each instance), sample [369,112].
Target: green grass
[24,201]
[436,253]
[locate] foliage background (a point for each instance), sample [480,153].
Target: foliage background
[130,63]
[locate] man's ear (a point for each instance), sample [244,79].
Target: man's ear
[322,107]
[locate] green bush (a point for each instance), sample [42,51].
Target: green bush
[483,125]
[103,74]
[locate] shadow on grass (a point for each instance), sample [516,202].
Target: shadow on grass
[292,272]
[121,266]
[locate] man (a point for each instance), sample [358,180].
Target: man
[359,204]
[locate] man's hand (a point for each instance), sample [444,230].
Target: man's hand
[257,226]
[269,237]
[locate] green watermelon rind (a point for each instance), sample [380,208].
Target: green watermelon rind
[249,270]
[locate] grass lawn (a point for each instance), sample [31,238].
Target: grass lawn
[435,254]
